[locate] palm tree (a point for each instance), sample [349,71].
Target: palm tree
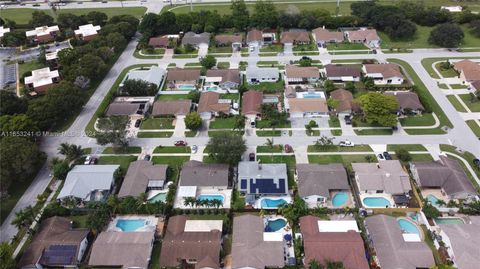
[71,151]
[113,202]
[217,203]
[24,217]
[189,201]
[270,143]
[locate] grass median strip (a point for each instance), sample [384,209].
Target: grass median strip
[154,134]
[171,149]
[474,126]
[456,103]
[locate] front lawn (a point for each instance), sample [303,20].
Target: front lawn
[307,47]
[154,134]
[223,65]
[428,62]
[29,66]
[458,106]
[171,149]
[266,124]
[474,126]
[128,150]
[458,86]
[346,46]
[225,49]
[268,149]
[346,160]
[155,53]
[446,73]
[356,148]
[173,161]
[269,133]
[374,132]
[157,123]
[272,48]
[425,119]
[408,147]
[473,104]
[223,123]
[123,161]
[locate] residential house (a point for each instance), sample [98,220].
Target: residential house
[235,41]
[295,37]
[183,79]
[323,36]
[142,176]
[342,73]
[268,38]
[369,37]
[301,75]
[222,80]
[256,75]
[346,105]
[476,86]
[87,32]
[255,38]
[55,244]
[252,247]
[3,31]
[41,79]
[461,242]
[393,248]
[386,179]
[153,74]
[384,74]
[43,34]
[192,243]
[52,58]
[88,183]
[211,105]
[203,181]
[306,107]
[196,40]
[252,104]
[469,71]
[333,241]
[318,184]
[408,102]
[171,107]
[445,174]
[165,41]
[128,106]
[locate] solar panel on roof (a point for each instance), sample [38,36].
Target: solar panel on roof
[59,255]
[267,186]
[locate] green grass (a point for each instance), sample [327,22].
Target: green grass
[154,134]
[306,47]
[79,221]
[346,46]
[474,126]
[346,160]
[28,66]
[216,132]
[409,147]
[446,73]
[223,123]
[266,124]
[157,54]
[458,86]
[424,131]
[157,123]
[174,161]
[269,63]
[223,65]
[374,132]
[458,106]
[231,96]
[356,148]
[223,50]
[267,149]
[428,62]
[128,150]
[269,133]
[171,97]
[442,86]
[155,259]
[421,157]
[334,122]
[14,193]
[425,119]
[197,64]
[473,106]
[171,149]
[123,161]
[272,48]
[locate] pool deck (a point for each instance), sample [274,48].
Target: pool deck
[377,195]
[350,202]
[288,250]
[412,221]
[151,222]
[227,197]
[435,192]
[258,202]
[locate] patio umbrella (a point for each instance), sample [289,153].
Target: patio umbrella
[288,237]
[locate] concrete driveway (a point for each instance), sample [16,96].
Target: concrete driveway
[288,49]
[203,50]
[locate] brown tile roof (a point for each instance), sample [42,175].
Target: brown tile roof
[346,100]
[179,74]
[252,102]
[254,35]
[304,105]
[159,41]
[322,34]
[227,39]
[228,75]
[332,70]
[407,100]
[387,70]
[52,231]
[345,247]
[293,71]
[294,36]
[171,107]
[316,179]
[204,247]
[470,69]
[209,103]
[364,35]
[138,175]
[195,173]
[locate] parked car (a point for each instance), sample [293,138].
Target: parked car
[137,123]
[36,5]
[380,157]
[476,163]
[94,160]
[252,123]
[147,157]
[251,157]
[348,119]
[387,156]
[87,159]
[288,148]
[346,143]
[194,149]
[180,143]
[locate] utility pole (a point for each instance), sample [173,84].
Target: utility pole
[191,5]
[337,10]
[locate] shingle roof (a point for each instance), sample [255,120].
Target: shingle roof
[392,250]
[332,70]
[226,39]
[387,70]
[122,108]
[138,175]
[227,75]
[183,74]
[305,105]
[171,107]
[153,75]
[252,102]
[195,39]
[407,100]
[196,173]
[294,36]
[260,72]
[254,35]
[364,35]
[322,34]
[464,240]
[470,69]
[316,179]
[292,71]
[387,175]
[159,41]
[476,85]
[345,99]
[209,103]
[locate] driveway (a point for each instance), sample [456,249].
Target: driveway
[288,49]
[179,127]
[203,50]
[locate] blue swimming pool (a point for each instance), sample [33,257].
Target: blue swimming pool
[432,199]
[130,225]
[160,197]
[311,95]
[376,202]
[408,227]
[204,197]
[186,87]
[339,199]
[272,203]
[275,225]
[212,88]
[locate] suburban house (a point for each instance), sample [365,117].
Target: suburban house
[408,102]
[128,106]
[322,36]
[153,74]
[393,248]
[41,79]
[333,241]
[476,85]
[301,75]
[183,79]
[384,74]
[294,37]
[317,184]
[222,80]
[461,242]
[446,175]
[196,40]
[141,177]
[342,73]
[165,41]
[88,183]
[192,243]
[306,107]
[235,41]
[469,71]
[255,38]
[211,105]
[252,104]
[256,75]
[3,31]
[171,108]
[386,180]
[87,32]
[55,244]
[369,37]
[203,181]
[252,247]
[43,34]
[346,105]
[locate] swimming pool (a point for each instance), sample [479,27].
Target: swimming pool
[376,202]
[449,221]
[160,197]
[275,225]
[212,88]
[204,197]
[339,199]
[186,87]
[311,95]
[432,199]
[408,227]
[272,203]
[130,225]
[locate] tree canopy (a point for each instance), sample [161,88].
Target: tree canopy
[378,108]
[226,147]
[446,35]
[193,121]
[137,87]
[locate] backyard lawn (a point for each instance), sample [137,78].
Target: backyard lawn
[473,104]
[268,87]
[157,123]
[474,126]
[123,161]
[170,97]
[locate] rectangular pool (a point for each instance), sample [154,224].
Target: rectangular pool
[130,225]
[186,87]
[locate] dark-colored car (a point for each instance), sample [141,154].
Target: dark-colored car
[476,163]
[251,157]
[137,123]
[180,143]
[387,156]
[288,148]
[380,157]
[147,157]
[93,160]
[348,119]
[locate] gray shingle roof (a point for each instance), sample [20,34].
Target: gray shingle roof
[257,72]
[195,173]
[195,39]
[386,175]
[464,239]
[153,75]
[266,170]
[316,179]
[139,174]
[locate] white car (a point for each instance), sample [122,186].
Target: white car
[88,159]
[346,143]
